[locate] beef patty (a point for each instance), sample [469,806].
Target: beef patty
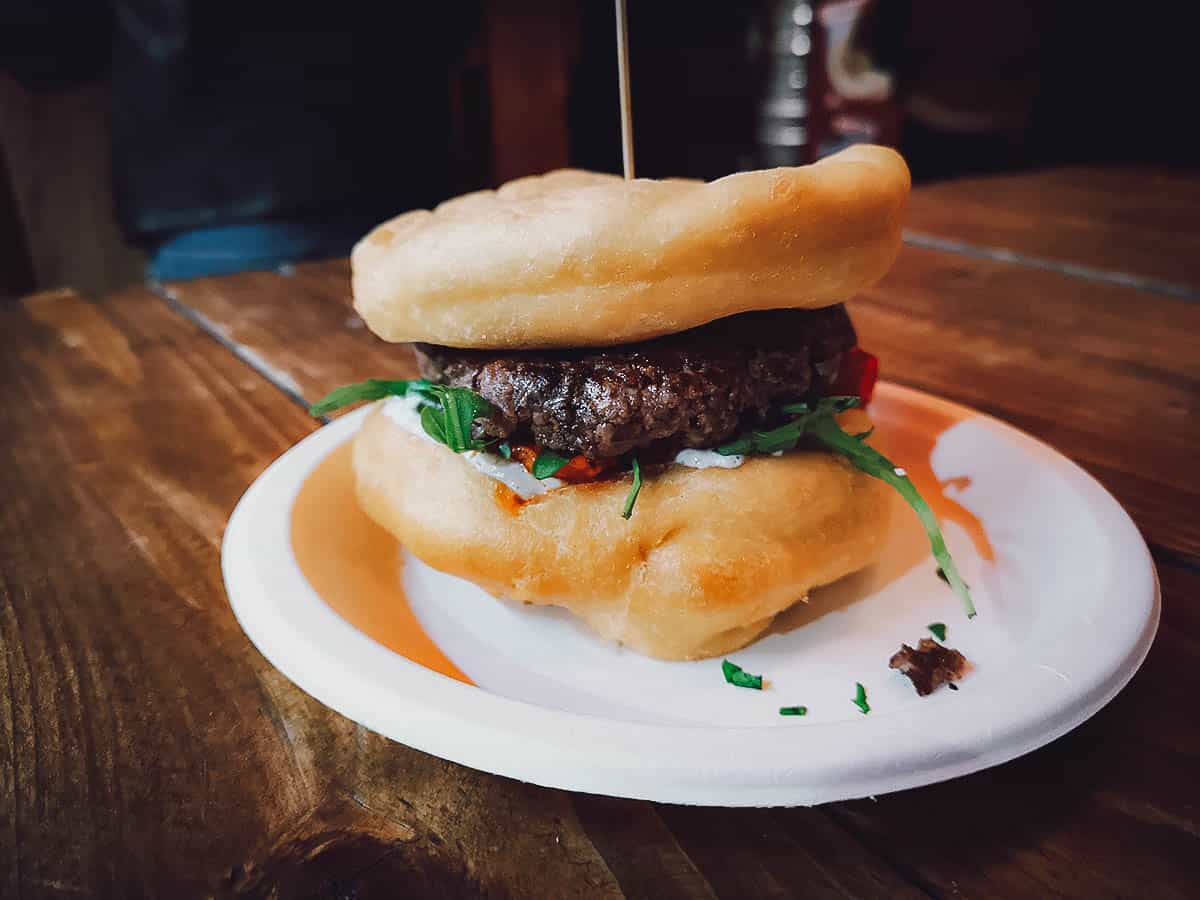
[693,389]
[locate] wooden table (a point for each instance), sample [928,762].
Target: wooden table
[146,748]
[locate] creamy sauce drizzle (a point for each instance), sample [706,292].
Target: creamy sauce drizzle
[513,475]
[404,412]
[707,459]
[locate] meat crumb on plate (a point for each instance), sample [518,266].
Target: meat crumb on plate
[929,665]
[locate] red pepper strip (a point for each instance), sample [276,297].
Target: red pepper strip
[579,469]
[857,375]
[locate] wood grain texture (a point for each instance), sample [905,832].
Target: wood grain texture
[146,749]
[1140,221]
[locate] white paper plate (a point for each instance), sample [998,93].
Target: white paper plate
[1067,611]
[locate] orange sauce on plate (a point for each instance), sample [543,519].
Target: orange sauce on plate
[354,565]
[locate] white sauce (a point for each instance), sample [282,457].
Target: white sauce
[707,459]
[404,412]
[512,474]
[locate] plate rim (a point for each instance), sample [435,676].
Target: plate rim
[571,750]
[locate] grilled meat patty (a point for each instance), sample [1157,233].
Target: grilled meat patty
[693,389]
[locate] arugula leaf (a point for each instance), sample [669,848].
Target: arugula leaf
[835,403]
[738,677]
[860,698]
[433,423]
[942,575]
[633,491]
[371,389]
[793,710]
[451,420]
[938,630]
[447,413]
[826,430]
[818,423]
[788,435]
[548,464]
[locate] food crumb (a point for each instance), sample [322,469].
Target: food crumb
[929,665]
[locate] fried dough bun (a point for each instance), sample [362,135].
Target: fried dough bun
[701,568]
[575,259]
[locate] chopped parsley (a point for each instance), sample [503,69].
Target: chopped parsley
[860,698]
[633,492]
[938,630]
[736,676]
[818,424]
[548,464]
[793,710]
[941,573]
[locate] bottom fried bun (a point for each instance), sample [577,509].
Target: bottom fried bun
[706,561]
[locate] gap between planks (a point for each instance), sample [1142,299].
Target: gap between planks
[1073,270]
[276,376]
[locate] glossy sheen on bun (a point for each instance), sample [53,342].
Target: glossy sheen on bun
[704,564]
[573,258]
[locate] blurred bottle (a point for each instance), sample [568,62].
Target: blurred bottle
[855,97]
[783,135]
[823,89]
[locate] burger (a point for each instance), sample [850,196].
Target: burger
[636,395]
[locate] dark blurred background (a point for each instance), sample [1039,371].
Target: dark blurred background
[179,137]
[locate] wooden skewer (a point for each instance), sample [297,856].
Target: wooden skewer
[623,81]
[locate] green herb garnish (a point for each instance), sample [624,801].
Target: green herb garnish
[738,677]
[371,389]
[451,415]
[941,573]
[548,464]
[818,423]
[505,450]
[633,491]
[860,698]
[447,413]
[938,630]
[793,710]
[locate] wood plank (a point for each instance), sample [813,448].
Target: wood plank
[1107,374]
[146,748]
[1110,810]
[748,853]
[1136,220]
